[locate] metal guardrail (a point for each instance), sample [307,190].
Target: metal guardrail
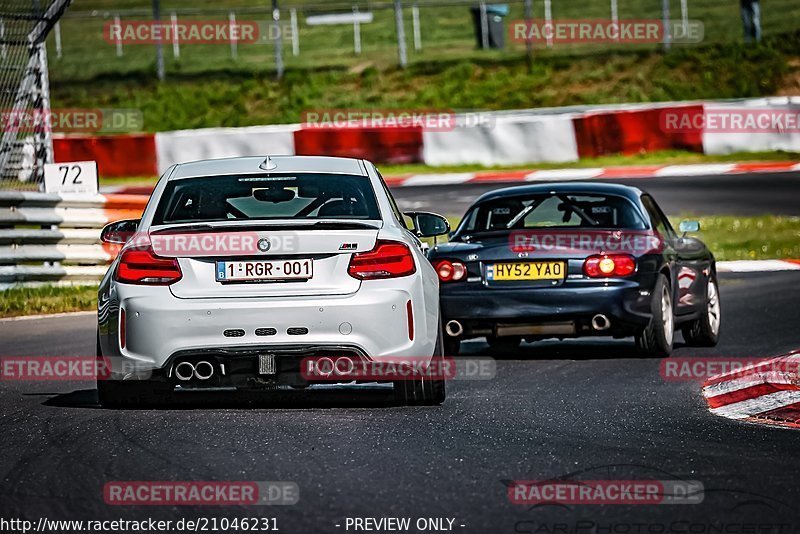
[51,238]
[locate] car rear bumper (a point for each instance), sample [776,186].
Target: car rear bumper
[626,303]
[372,321]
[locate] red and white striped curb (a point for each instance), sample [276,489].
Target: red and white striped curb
[766,392]
[555,175]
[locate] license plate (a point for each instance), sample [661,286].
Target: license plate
[266,364]
[529,270]
[236,271]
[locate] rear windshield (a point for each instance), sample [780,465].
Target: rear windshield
[296,196]
[562,210]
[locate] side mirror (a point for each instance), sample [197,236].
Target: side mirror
[689,227]
[428,224]
[119,232]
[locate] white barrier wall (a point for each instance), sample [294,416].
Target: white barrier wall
[210,143]
[504,141]
[729,143]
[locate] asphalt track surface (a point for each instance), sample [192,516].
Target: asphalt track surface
[579,410]
[743,194]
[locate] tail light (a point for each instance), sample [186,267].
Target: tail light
[388,259]
[141,266]
[450,270]
[606,265]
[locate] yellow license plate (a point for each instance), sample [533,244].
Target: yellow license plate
[529,270]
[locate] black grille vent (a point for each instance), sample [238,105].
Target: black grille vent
[233,332]
[266,331]
[297,331]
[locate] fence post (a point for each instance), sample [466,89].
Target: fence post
[159,44]
[484,26]
[3,51]
[667,32]
[685,16]
[176,47]
[528,42]
[118,24]
[234,42]
[417,31]
[548,22]
[401,33]
[356,32]
[615,17]
[57,29]
[276,21]
[295,34]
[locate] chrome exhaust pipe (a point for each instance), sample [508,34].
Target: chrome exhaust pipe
[184,371]
[203,370]
[453,328]
[600,322]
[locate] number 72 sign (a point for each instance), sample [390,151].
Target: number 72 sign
[71,177]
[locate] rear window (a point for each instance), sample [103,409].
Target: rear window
[296,196]
[562,210]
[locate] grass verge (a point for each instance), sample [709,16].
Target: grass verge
[47,299]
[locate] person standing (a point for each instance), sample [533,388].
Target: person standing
[751,19]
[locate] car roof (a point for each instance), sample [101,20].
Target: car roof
[631,193]
[269,164]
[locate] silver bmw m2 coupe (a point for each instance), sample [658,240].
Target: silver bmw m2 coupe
[256,272]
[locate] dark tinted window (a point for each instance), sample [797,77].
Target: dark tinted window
[299,196]
[657,217]
[563,210]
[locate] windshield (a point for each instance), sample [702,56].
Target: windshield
[296,196]
[553,210]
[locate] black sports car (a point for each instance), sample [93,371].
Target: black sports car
[575,259]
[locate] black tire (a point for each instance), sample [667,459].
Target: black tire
[129,394]
[504,344]
[704,331]
[425,391]
[655,340]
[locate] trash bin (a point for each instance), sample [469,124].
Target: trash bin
[494,23]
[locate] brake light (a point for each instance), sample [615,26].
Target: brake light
[141,266]
[450,270]
[606,265]
[388,259]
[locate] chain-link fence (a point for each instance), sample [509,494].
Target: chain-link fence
[24,92]
[358,33]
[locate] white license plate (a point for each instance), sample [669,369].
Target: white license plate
[237,271]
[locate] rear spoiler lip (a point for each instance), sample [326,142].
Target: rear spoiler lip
[276,225]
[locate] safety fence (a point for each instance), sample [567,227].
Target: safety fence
[51,238]
[559,135]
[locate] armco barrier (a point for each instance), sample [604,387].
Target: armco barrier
[632,132]
[212,143]
[116,155]
[386,145]
[505,138]
[56,238]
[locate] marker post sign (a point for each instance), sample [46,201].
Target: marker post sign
[71,177]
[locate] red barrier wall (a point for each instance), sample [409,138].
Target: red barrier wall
[380,145]
[632,132]
[116,155]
